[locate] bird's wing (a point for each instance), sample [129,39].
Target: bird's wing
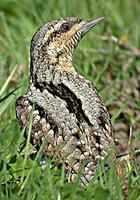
[90,103]
[51,120]
[82,100]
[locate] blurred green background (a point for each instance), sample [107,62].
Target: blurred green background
[109,56]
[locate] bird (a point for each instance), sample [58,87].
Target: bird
[66,108]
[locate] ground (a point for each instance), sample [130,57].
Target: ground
[109,57]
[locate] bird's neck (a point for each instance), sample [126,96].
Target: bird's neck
[42,70]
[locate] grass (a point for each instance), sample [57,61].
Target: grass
[21,176]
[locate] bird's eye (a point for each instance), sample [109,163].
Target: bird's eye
[65,27]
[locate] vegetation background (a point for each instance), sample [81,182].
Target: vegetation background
[109,56]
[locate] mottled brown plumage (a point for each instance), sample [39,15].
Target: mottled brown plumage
[68,111]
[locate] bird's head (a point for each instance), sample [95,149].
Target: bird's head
[55,41]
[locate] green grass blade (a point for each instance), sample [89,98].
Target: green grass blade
[119,111]
[3,106]
[8,80]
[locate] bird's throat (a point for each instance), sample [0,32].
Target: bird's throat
[64,63]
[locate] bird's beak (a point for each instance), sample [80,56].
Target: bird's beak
[87,25]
